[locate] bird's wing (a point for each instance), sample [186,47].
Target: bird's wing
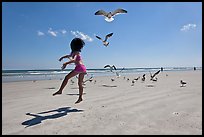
[155,74]
[114,67]
[118,11]
[183,82]
[99,37]
[101,12]
[107,66]
[108,36]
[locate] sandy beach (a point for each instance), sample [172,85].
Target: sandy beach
[108,107]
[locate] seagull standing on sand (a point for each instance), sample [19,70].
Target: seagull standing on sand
[105,43]
[112,79]
[143,77]
[109,15]
[133,81]
[182,83]
[137,78]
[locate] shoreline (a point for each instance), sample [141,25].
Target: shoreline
[61,76]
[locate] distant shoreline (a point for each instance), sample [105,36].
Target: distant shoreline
[35,75]
[200,67]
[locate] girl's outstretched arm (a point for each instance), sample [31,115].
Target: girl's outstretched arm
[66,63]
[72,60]
[66,56]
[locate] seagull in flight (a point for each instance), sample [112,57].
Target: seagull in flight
[105,43]
[109,15]
[152,76]
[114,68]
[117,73]
[111,67]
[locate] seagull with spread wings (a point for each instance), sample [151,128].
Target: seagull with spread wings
[111,67]
[152,76]
[105,43]
[109,15]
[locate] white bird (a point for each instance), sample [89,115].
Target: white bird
[105,43]
[109,15]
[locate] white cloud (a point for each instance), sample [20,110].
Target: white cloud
[82,35]
[40,33]
[52,33]
[63,31]
[188,27]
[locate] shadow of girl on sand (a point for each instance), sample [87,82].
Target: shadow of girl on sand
[63,111]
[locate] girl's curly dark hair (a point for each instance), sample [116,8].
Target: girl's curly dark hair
[77,44]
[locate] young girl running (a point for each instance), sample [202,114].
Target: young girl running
[75,57]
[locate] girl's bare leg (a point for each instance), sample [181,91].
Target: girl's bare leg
[80,82]
[64,83]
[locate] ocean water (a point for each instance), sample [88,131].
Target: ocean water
[49,74]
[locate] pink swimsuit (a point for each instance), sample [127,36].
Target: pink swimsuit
[80,68]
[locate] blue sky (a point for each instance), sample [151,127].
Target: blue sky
[158,34]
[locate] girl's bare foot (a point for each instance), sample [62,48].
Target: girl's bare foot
[79,100]
[58,92]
